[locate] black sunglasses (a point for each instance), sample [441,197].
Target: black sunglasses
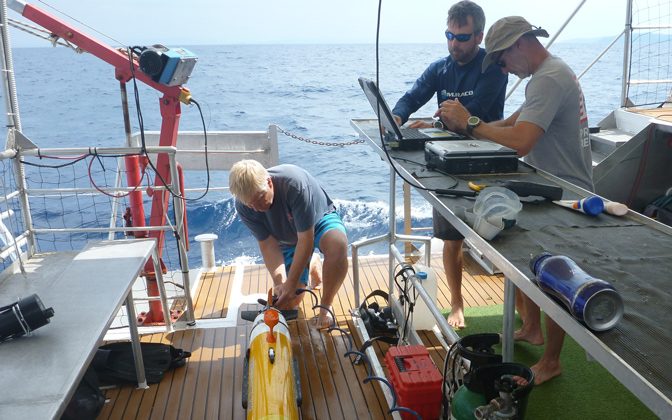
[459,37]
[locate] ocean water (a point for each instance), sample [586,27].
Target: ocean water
[68,99]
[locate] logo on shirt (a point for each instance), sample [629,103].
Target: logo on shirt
[583,117]
[452,95]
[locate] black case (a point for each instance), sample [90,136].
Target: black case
[470,157]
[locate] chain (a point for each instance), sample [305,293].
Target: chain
[317,142]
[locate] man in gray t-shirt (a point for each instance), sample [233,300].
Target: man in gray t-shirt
[290,215]
[550,130]
[564,147]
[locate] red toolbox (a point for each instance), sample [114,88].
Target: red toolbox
[416,380]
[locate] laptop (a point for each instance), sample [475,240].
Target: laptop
[470,157]
[397,137]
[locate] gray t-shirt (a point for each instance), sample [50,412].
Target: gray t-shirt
[554,101]
[299,202]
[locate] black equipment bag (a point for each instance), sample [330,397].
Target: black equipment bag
[378,321]
[114,363]
[87,401]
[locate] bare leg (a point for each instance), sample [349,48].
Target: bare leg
[531,329]
[452,264]
[520,305]
[548,367]
[334,246]
[315,272]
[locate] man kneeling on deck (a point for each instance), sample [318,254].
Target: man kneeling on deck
[290,214]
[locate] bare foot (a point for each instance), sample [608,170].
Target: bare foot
[519,380]
[315,272]
[545,371]
[324,320]
[456,318]
[533,337]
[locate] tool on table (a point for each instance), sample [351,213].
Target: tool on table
[592,206]
[615,208]
[459,193]
[525,189]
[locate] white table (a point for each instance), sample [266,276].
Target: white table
[41,372]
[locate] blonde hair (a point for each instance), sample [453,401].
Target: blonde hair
[246,179]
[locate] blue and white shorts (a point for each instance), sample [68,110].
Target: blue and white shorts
[328,222]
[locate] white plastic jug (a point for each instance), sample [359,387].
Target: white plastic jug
[422,317]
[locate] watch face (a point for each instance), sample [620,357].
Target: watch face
[473,120]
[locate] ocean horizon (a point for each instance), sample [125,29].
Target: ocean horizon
[69,99]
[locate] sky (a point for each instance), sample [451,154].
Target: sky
[199,22]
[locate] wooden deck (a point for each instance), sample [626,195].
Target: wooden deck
[209,386]
[663,114]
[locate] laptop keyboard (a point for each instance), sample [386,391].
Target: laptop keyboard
[413,134]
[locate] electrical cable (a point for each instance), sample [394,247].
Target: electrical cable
[205,148]
[405,298]
[141,124]
[100,190]
[441,171]
[39,165]
[380,130]
[137,50]
[450,356]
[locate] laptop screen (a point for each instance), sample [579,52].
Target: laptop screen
[378,103]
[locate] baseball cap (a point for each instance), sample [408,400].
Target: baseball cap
[504,33]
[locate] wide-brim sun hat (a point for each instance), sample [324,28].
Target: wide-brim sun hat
[504,33]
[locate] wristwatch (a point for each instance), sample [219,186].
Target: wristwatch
[437,123]
[472,122]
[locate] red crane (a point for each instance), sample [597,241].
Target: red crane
[170,113]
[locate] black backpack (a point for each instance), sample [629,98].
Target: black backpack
[114,363]
[88,399]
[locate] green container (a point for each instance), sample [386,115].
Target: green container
[465,402]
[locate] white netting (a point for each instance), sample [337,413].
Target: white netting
[650,71]
[77,193]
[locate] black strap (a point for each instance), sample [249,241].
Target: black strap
[379,293]
[246,377]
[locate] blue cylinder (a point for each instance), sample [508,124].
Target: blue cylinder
[591,301]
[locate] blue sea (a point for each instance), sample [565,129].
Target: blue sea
[69,99]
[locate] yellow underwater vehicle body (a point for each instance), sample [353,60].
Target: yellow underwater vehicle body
[271,387]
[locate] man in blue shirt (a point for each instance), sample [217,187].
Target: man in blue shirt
[290,215]
[457,77]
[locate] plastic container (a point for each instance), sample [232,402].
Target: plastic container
[497,202]
[416,380]
[495,209]
[590,300]
[422,317]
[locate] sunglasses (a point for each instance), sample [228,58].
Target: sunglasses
[459,37]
